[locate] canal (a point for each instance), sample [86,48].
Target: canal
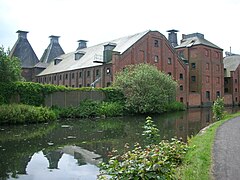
[72,149]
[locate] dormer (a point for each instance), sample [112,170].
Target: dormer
[57,61]
[107,52]
[79,54]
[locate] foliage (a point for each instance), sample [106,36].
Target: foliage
[10,68]
[198,160]
[19,113]
[218,108]
[175,106]
[113,94]
[150,132]
[146,89]
[154,161]
[110,109]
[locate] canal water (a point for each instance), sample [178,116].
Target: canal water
[72,149]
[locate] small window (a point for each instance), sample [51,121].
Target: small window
[181,99]
[181,87]
[50,78]
[235,80]
[108,71]
[73,75]
[181,76]
[169,73]
[156,59]
[226,90]
[88,85]
[156,43]
[207,66]
[80,85]
[108,84]
[66,76]
[169,61]
[88,73]
[97,72]
[55,78]
[80,74]
[206,52]
[73,86]
[60,77]
[236,99]
[236,90]
[193,78]
[218,67]
[207,79]
[208,95]
[218,94]
[193,65]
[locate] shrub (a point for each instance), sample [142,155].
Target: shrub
[110,109]
[146,89]
[20,113]
[218,108]
[154,161]
[175,106]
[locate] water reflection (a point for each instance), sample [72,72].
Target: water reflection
[72,149]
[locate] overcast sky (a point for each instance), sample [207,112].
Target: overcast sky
[103,20]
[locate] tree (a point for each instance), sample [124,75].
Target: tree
[10,68]
[147,90]
[218,109]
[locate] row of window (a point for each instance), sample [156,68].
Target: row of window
[193,66]
[193,79]
[156,59]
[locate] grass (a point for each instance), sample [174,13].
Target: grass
[197,163]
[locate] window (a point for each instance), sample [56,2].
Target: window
[181,76]
[80,74]
[206,52]
[169,61]
[73,86]
[88,73]
[218,67]
[108,84]
[66,76]
[236,90]
[156,58]
[218,80]
[169,73]
[193,78]
[226,90]
[156,43]
[181,54]
[181,99]
[73,75]
[50,78]
[108,71]
[218,94]
[207,66]
[207,79]
[235,80]
[55,78]
[80,85]
[97,72]
[193,65]
[60,77]
[236,99]
[181,87]
[88,85]
[208,95]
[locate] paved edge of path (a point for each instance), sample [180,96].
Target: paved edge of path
[226,151]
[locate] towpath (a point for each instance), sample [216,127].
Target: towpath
[226,151]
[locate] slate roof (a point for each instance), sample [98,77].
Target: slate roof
[93,53]
[53,50]
[231,63]
[196,40]
[24,51]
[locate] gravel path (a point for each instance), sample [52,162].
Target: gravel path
[226,151]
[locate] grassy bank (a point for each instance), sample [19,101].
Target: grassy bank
[198,160]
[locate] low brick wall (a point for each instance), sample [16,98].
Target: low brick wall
[228,100]
[194,100]
[72,98]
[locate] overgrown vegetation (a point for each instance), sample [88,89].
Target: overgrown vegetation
[20,113]
[10,68]
[218,109]
[146,89]
[153,161]
[198,160]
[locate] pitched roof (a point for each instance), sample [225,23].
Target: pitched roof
[53,50]
[231,63]
[195,39]
[93,53]
[24,51]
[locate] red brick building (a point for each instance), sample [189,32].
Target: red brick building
[97,65]
[206,71]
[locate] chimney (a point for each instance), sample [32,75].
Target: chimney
[172,37]
[54,39]
[82,44]
[22,34]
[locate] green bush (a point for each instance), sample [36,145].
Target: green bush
[110,109]
[154,161]
[146,89]
[20,113]
[218,109]
[175,106]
